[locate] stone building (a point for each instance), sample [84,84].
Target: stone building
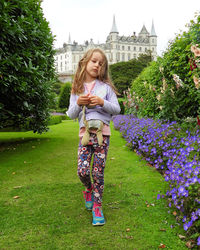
[117,49]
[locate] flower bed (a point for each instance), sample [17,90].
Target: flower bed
[177,155]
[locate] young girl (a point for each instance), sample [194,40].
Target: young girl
[93,88]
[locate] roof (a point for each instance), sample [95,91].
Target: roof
[114,27]
[153,33]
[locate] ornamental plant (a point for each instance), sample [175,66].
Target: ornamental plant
[176,154]
[26,65]
[169,87]
[63,101]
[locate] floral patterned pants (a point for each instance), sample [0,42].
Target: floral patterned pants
[99,159]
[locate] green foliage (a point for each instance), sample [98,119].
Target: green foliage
[57,87]
[145,87]
[55,119]
[166,88]
[121,103]
[64,97]
[123,73]
[26,65]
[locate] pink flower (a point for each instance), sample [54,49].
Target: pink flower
[195,50]
[196,82]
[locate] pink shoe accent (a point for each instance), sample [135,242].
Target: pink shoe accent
[96,205]
[97,211]
[87,196]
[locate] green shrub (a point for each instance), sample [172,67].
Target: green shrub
[57,87]
[26,65]
[166,89]
[123,73]
[54,119]
[64,96]
[121,103]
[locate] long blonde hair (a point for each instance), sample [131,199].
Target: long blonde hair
[79,77]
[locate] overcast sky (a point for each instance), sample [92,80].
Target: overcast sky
[86,19]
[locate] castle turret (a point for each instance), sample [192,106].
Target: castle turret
[153,41]
[69,39]
[143,33]
[113,38]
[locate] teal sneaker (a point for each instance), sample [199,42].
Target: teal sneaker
[98,218]
[89,197]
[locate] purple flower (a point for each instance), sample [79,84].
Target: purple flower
[181,190]
[161,145]
[198,241]
[158,196]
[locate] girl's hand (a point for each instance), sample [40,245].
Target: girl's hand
[83,100]
[96,100]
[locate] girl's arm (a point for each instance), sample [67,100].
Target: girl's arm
[74,108]
[111,104]
[75,105]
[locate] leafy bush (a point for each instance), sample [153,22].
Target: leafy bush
[55,119]
[65,96]
[170,87]
[121,103]
[123,73]
[57,87]
[176,154]
[26,65]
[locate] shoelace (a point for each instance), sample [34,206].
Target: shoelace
[97,211]
[87,196]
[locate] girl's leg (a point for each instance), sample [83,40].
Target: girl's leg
[100,154]
[84,159]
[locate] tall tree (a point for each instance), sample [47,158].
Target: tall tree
[123,73]
[26,65]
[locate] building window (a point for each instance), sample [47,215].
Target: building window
[134,48]
[140,48]
[152,40]
[134,55]
[152,49]
[118,56]
[61,57]
[129,48]
[146,49]
[122,47]
[61,64]
[123,57]
[129,56]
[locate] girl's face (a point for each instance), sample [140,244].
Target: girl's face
[94,66]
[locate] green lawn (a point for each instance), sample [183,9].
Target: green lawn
[41,203]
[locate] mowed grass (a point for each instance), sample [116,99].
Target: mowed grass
[41,203]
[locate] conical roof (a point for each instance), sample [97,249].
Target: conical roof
[69,40]
[144,30]
[153,33]
[114,26]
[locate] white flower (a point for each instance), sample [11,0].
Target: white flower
[158,97]
[179,82]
